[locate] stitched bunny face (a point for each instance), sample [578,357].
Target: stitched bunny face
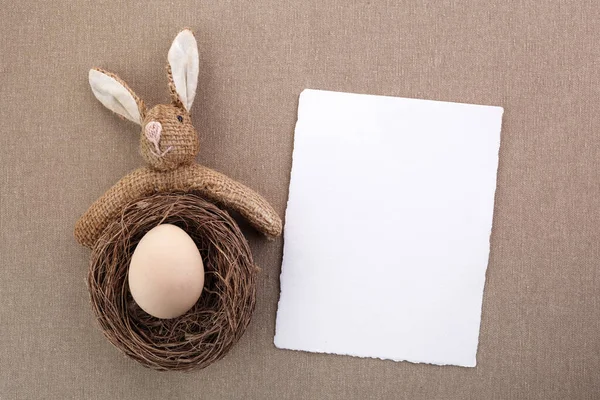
[168,138]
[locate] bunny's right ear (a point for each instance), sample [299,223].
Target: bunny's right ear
[182,69]
[116,95]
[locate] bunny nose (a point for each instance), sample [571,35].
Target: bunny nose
[152,131]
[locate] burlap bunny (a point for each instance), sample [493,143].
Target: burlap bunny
[169,144]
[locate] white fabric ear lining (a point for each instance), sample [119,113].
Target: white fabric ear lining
[114,95]
[184,62]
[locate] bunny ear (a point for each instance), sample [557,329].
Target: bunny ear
[116,95]
[183,69]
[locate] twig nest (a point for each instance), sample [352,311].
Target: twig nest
[218,319]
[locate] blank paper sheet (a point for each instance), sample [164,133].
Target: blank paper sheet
[387,228]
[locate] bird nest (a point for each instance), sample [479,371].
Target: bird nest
[219,318]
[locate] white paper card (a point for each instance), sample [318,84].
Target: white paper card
[387,227]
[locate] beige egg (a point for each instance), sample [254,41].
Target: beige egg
[166,274]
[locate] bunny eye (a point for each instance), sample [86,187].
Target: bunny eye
[180,118]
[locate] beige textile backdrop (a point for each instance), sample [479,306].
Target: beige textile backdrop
[60,149]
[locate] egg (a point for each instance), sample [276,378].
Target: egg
[166,273]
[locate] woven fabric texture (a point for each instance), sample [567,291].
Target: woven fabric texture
[60,150]
[190,178]
[172,169]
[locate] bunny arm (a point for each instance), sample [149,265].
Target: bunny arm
[145,181]
[231,194]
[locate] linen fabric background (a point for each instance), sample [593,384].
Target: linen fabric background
[60,149]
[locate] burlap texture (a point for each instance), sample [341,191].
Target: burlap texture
[173,170]
[189,178]
[180,137]
[60,150]
[172,89]
[140,103]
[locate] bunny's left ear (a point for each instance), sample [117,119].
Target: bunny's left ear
[116,95]
[183,69]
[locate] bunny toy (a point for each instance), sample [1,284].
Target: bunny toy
[169,144]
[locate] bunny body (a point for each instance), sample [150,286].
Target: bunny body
[169,144]
[197,178]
